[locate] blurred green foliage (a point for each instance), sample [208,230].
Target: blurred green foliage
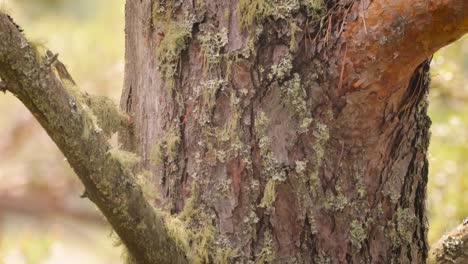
[448,166]
[89,36]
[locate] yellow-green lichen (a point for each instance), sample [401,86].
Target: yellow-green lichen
[293,42]
[127,159]
[295,96]
[358,234]
[230,130]
[39,49]
[321,133]
[269,195]
[195,234]
[202,241]
[208,91]
[177,229]
[271,167]
[256,11]
[337,202]
[314,7]
[167,148]
[282,69]
[149,191]
[109,117]
[169,50]
[267,253]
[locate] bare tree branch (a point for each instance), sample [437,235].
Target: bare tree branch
[452,248]
[109,182]
[397,36]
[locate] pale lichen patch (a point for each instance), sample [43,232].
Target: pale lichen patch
[212,44]
[406,221]
[295,96]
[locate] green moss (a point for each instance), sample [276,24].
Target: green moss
[169,51]
[172,140]
[256,11]
[109,117]
[195,234]
[358,234]
[178,230]
[224,255]
[202,241]
[157,154]
[166,149]
[149,191]
[269,195]
[127,159]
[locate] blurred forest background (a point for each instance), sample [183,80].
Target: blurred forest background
[42,218]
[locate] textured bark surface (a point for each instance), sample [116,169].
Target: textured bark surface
[270,131]
[277,124]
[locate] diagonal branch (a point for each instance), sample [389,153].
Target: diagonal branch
[387,39]
[109,182]
[452,248]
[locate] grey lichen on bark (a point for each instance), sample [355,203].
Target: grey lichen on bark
[451,248]
[108,180]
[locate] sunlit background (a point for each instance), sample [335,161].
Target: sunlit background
[42,218]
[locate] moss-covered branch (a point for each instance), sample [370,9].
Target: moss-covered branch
[104,171]
[452,248]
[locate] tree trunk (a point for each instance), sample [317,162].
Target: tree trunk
[283,131]
[263,145]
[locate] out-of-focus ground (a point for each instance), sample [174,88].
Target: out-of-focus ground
[42,218]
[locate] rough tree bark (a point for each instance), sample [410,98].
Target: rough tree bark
[285,131]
